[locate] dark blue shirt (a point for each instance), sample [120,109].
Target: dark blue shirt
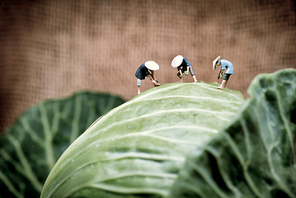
[185,63]
[142,72]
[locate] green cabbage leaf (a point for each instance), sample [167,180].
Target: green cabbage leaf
[31,146]
[254,154]
[138,148]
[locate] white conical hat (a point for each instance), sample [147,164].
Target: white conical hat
[152,65]
[214,62]
[177,61]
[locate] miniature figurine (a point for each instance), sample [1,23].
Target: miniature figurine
[147,70]
[225,64]
[183,66]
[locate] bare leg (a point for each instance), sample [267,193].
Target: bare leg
[194,78]
[223,84]
[139,91]
[190,69]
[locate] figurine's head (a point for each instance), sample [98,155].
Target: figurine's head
[216,62]
[151,65]
[177,61]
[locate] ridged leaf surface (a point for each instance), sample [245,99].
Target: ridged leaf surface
[254,154]
[32,145]
[138,148]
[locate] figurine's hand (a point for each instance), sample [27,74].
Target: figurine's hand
[186,73]
[156,82]
[220,76]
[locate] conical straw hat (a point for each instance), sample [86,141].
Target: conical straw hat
[177,61]
[152,65]
[214,62]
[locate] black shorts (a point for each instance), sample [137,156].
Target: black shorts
[226,76]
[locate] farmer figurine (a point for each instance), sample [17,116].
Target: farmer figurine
[147,70]
[225,64]
[183,66]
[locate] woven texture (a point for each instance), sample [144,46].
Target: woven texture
[52,48]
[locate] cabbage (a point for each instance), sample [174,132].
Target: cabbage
[138,148]
[175,140]
[254,154]
[31,146]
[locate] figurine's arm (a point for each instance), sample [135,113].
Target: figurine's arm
[153,79]
[151,76]
[180,71]
[220,73]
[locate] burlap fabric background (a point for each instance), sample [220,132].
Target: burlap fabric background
[52,48]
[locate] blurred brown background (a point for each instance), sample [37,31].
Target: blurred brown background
[52,48]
